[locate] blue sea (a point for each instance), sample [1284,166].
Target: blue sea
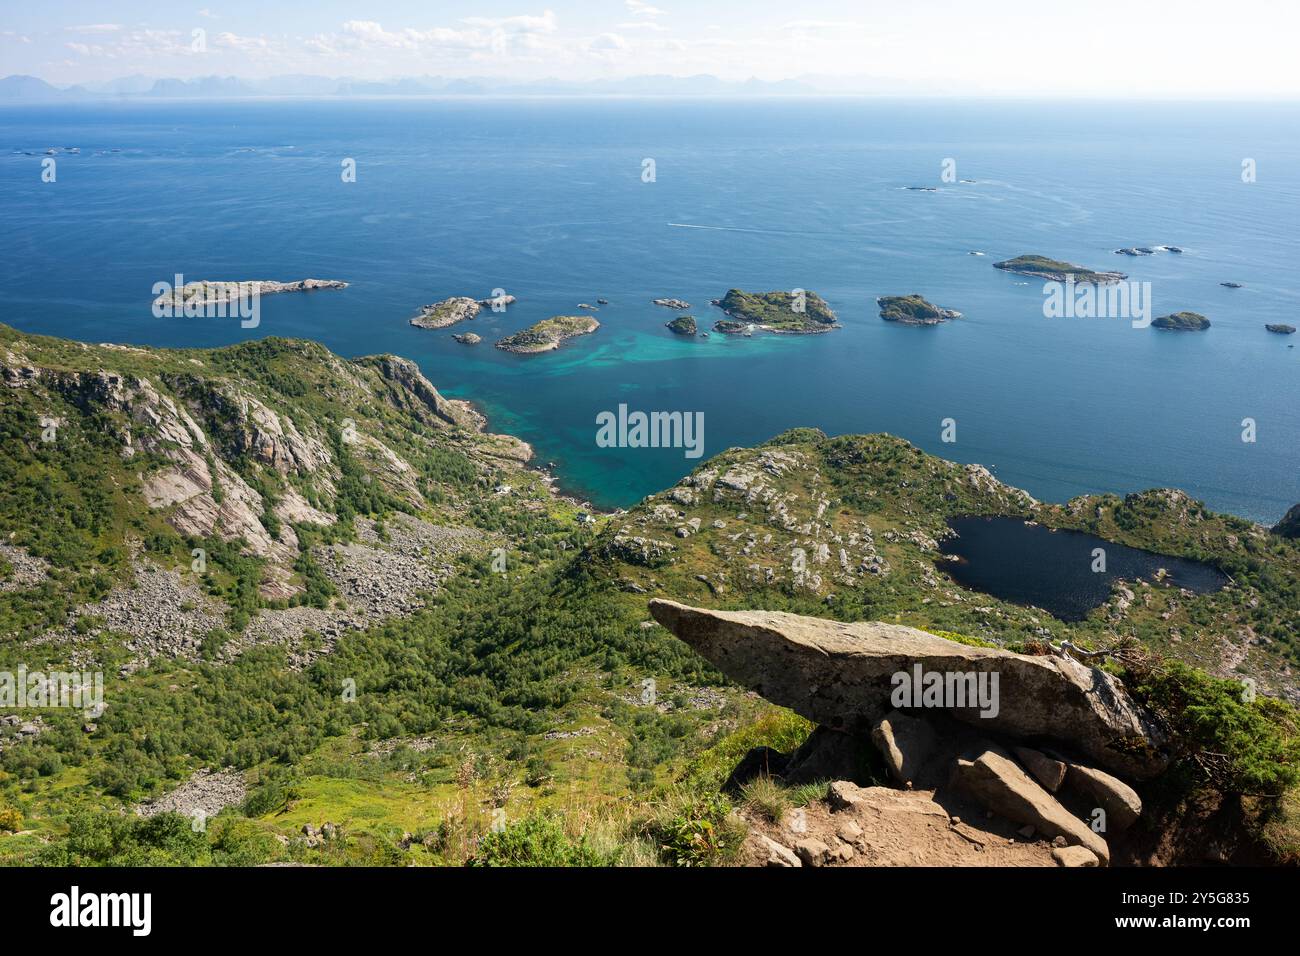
[546,200]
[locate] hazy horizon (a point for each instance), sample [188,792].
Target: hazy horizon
[934,47]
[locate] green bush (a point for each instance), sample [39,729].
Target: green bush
[106,839]
[697,830]
[1240,746]
[537,840]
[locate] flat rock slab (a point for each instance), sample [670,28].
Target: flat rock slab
[842,676]
[1000,784]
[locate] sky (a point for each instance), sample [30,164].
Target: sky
[1179,48]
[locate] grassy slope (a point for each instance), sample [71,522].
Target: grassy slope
[499,665]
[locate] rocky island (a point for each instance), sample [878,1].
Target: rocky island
[457,308]
[450,311]
[467,338]
[1181,322]
[913,310]
[680,305]
[547,334]
[782,312]
[1055,270]
[1281,329]
[207,292]
[683,325]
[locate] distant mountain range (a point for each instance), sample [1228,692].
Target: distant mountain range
[31,89]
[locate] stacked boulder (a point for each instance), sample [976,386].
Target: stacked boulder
[1042,743]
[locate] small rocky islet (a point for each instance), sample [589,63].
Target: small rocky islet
[1146,250]
[749,311]
[1181,322]
[456,309]
[1041,267]
[913,309]
[546,335]
[1280,328]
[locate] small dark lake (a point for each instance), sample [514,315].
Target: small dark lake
[1033,565]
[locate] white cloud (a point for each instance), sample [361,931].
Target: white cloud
[546,23]
[607,42]
[137,44]
[640,9]
[822,25]
[233,41]
[642,25]
[495,36]
[96,28]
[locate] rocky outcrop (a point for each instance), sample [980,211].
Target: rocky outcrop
[414,393]
[1289,526]
[949,762]
[634,549]
[842,676]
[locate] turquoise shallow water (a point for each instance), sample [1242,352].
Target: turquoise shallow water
[545,199]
